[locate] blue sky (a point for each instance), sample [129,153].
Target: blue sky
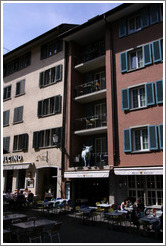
[24,21]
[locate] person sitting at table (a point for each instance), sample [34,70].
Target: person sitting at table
[159,224]
[9,198]
[123,205]
[140,205]
[26,192]
[135,215]
[20,200]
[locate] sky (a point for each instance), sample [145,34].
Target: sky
[24,21]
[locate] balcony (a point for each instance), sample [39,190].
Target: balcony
[98,160]
[95,124]
[91,91]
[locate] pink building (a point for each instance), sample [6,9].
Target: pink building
[114,103]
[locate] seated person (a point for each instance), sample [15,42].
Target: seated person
[135,216]
[123,205]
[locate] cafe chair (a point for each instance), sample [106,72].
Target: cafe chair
[15,235]
[36,235]
[54,232]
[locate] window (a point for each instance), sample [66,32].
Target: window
[51,48]
[49,106]
[6,144]
[7,92]
[134,24]
[154,186]
[44,138]
[6,118]
[20,88]
[135,59]
[50,76]
[139,96]
[17,64]
[141,139]
[18,115]
[20,142]
[136,187]
[157,48]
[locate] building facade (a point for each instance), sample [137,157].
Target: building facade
[114,103]
[34,76]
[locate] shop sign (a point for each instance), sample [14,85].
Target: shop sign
[14,158]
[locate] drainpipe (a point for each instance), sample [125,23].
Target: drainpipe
[114,99]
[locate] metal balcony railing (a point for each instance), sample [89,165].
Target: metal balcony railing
[98,159]
[91,122]
[90,87]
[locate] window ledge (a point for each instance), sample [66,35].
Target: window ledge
[135,109]
[7,99]
[20,94]
[14,123]
[140,151]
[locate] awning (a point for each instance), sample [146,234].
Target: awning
[16,166]
[87,174]
[139,171]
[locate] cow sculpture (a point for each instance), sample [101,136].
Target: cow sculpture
[86,155]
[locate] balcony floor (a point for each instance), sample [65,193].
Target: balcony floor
[91,131]
[94,96]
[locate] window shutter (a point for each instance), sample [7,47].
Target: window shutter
[57,104]
[144,18]
[127,140]
[149,92]
[36,140]
[40,109]
[152,133]
[18,114]
[125,99]
[147,54]
[6,142]
[59,133]
[41,80]
[58,72]
[160,130]
[123,62]
[6,117]
[25,141]
[154,14]
[159,91]
[157,54]
[122,28]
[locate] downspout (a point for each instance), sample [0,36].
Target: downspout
[114,98]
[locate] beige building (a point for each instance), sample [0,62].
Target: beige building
[33,114]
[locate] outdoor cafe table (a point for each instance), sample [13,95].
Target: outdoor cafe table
[10,217]
[115,215]
[27,226]
[104,205]
[148,220]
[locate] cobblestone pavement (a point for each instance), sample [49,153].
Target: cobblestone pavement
[75,231]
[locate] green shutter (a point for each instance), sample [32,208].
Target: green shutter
[157,53]
[159,91]
[125,99]
[122,28]
[154,13]
[127,140]
[123,62]
[149,92]
[153,141]
[160,131]
[144,18]
[147,54]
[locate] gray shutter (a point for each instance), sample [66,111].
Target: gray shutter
[127,140]
[154,13]
[147,54]
[58,73]
[123,62]
[57,104]
[25,141]
[157,53]
[153,141]
[159,91]
[149,92]
[36,140]
[18,114]
[40,109]
[122,28]
[144,18]
[160,130]
[41,79]
[6,142]
[6,117]
[125,99]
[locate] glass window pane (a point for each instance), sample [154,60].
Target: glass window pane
[142,97]
[137,140]
[145,139]
[140,58]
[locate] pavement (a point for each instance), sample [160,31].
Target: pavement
[74,231]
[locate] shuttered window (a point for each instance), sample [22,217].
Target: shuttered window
[125,99]
[20,88]
[154,14]
[50,76]
[122,28]
[6,143]
[149,91]
[144,18]
[127,140]
[159,91]
[147,54]
[20,142]
[160,132]
[153,140]
[123,62]
[49,106]
[18,115]
[6,118]
[157,51]
[7,92]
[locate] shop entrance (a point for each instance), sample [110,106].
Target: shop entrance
[91,190]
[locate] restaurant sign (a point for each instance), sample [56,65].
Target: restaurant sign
[14,158]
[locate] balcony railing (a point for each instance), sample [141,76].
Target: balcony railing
[98,159]
[90,87]
[91,122]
